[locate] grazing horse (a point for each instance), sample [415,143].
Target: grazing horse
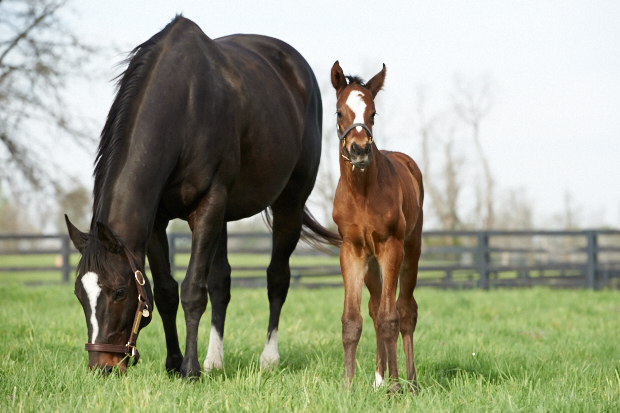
[378,210]
[208,131]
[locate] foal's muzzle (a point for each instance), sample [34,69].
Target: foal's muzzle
[360,157]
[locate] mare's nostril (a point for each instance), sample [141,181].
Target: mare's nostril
[355,149]
[367,149]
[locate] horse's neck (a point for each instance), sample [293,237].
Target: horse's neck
[360,183]
[129,207]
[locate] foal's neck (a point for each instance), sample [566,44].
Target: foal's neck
[359,182]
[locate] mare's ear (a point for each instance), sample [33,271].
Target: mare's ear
[107,238]
[375,84]
[338,80]
[78,238]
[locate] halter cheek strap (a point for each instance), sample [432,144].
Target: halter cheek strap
[142,311]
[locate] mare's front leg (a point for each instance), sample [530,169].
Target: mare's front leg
[206,223]
[353,264]
[166,292]
[218,281]
[390,259]
[287,221]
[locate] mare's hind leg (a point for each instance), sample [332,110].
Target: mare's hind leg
[166,292]
[206,223]
[287,221]
[406,304]
[373,283]
[218,282]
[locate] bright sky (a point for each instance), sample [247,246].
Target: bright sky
[555,65]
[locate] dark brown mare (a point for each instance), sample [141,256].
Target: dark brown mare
[378,210]
[208,131]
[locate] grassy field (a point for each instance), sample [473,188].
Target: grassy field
[529,350]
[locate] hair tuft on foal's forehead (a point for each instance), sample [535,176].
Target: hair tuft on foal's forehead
[356,80]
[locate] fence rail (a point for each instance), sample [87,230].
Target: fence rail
[462,259]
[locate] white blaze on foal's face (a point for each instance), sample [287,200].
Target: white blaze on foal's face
[355,102]
[90,281]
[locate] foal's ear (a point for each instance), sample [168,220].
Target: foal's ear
[78,238]
[107,238]
[338,80]
[375,84]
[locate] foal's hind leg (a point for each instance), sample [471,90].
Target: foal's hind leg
[287,223]
[166,292]
[373,283]
[406,304]
[218,282]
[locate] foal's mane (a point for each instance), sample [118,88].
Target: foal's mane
[139,62]
[355,80]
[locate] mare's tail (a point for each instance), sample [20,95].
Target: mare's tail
[313,233]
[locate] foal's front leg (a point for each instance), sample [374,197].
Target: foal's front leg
[353,264]
[390,260]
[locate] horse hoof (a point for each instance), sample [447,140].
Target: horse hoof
[173,364]
[396,388]
[190,369]
[269,361]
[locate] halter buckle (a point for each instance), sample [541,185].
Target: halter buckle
[139,279]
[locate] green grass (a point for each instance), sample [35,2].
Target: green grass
[536,350]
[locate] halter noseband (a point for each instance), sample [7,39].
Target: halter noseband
[142,311]
[347,130]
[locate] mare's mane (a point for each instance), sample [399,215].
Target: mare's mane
[139,62]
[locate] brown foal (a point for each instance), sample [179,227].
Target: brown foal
[378,210]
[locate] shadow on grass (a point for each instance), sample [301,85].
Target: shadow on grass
[445,373]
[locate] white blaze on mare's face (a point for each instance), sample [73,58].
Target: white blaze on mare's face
[270,356]
[90,281]
[215,354]
[356,103]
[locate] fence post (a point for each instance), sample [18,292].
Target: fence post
[66,254]
[171,253]
[592,264]
[483,260]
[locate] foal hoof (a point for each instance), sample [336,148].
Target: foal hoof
[396,388]
[190,369]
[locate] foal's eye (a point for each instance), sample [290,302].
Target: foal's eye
[339,114]
[372,117]
[120,294]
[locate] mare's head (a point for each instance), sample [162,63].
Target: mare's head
[107,289]
[355,108]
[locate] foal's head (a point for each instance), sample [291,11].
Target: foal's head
[355,108]
[107,290]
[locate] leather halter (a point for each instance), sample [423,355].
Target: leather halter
[347,130]
[142,311]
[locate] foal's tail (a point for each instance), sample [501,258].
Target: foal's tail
[313,233]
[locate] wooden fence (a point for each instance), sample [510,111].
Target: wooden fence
[463,259]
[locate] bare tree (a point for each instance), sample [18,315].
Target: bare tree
[444,188]
[472,103]
[39,54]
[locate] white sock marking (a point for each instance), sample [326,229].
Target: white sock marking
[270,356]
[215,354]
[91,286]
[378,379]
[357,106]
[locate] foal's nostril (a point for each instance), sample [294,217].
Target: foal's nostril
[367,149]
[355,149]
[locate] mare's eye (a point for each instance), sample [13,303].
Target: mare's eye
[120,294]
[372,117]
[339,114]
